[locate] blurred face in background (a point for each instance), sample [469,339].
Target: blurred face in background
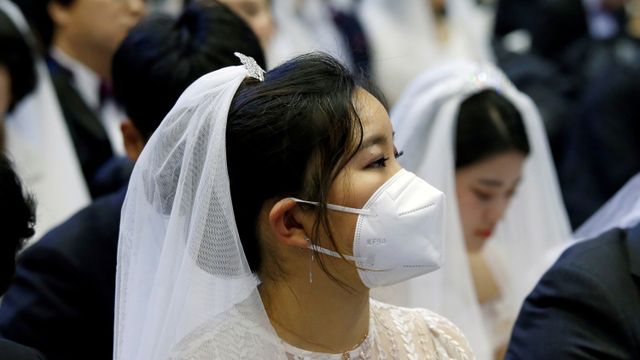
[256,13]
[94,28]
[5,91]
[438,7]
[613,4]
[484,190]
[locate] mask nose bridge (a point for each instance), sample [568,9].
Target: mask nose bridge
[396,185]
[414,187]
[399,186]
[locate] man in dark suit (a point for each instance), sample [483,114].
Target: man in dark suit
[602,148]
[17,217]
[17,214]
[13,351]
[62,299]
[81,37]
[587,306]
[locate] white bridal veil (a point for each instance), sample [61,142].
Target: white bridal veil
[40,145]
[403,37]
[424,122]
[182,271]
[621,211]
[304,26]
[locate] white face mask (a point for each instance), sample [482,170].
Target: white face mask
[400,231]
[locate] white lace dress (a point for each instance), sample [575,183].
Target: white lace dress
[394,333]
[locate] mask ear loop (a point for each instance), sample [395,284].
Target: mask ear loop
[355,259]
[345,209]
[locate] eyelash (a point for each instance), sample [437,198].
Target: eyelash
[482,196]
[383,160]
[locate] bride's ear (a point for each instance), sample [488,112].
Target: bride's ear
[285,222]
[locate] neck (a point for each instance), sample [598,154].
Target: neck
[96,60]
[320,316]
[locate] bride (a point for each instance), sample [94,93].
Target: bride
[470,132]
[260,215]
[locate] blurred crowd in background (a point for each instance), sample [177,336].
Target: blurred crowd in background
[75,113]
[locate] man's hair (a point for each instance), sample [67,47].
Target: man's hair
[17,220]
[163,55]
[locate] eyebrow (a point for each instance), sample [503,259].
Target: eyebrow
[490,182]
[495,183]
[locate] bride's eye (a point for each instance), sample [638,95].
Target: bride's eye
[380,163]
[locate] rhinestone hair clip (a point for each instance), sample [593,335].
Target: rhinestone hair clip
[486,77]
[253,69]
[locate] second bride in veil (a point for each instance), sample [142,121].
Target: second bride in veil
[468,131]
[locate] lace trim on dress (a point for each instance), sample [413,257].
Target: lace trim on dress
[361,352]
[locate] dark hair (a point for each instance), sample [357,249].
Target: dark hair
[298,128]
[17,57]
[488,124]
[17,219]
[162,56]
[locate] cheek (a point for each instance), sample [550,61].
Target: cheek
[94,27]
[264,26]
[343,227]
[353,188]
[119,20]
[2,140]
[4,101]
[470,209]
[345,191]
[5,91]
[503,207]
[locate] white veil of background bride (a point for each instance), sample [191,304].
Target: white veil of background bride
[425,121]
[621,211]
[403,37]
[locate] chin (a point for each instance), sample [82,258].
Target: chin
[475,245]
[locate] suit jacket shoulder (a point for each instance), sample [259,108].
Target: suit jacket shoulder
[62,299]
[14,351]
[587,306]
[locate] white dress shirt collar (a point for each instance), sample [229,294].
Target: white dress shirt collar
[86,81]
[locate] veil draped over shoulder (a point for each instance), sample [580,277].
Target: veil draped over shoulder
[182,272]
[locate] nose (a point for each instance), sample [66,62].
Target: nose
[495,211]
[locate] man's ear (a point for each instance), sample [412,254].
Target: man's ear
[58,13]
[287,229]
[133,140]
